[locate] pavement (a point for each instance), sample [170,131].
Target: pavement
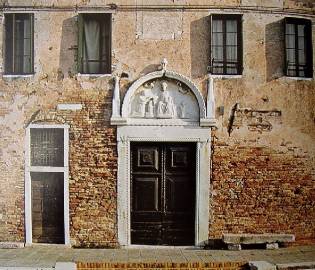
[46,256]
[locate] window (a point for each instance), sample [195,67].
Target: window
[298,48]
[94,55]
[47,147]
[226,44]
[19,43]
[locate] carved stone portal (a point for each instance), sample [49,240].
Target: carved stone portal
[164,99]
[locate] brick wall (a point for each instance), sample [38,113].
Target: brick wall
[256,189]
[93,167]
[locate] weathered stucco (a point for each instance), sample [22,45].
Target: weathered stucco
[263,160]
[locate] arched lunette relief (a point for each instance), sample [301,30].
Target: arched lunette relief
[162,98]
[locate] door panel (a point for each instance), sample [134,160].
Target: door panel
[47,207]
[147,159]
[163,193]
[146,194]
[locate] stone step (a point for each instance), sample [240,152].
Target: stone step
[271,240]
[246,238]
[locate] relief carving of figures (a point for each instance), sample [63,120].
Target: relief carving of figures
[145,106]
[164,100]
[166,107]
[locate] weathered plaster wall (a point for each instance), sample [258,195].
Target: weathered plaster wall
[263,156]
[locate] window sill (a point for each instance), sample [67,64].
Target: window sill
[9,76]
[216,76]
[84,75]
[297,78]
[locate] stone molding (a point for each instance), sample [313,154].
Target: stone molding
[128,134]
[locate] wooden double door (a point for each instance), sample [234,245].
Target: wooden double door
[163,188]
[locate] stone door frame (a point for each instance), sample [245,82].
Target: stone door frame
[28,187]
[200,135]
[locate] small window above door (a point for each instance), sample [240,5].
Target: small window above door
[47,147]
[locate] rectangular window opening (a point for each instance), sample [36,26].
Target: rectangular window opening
[298,48]
[226,44]
[47,147]
[94,43]
[19,32]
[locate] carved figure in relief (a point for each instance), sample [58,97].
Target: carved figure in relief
[166,107]
[145,105]
[180,88]
[182,110]
[150,112]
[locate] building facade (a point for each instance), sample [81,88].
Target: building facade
[156,122]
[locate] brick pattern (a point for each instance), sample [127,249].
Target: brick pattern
[92,161]
[163,266]
[93,168]
[256,189]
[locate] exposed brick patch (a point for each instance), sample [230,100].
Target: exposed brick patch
[93,168]
[261,190]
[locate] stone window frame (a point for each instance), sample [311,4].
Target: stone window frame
[28,189]
[32,21]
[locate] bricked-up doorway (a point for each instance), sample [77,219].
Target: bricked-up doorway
[163,184]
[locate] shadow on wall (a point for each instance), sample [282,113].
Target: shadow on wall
[149,69]
[274,52]
[200,46]
[69,47]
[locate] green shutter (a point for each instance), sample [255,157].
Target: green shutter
[80,42]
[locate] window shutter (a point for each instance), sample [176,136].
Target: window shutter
[108,43]
[240,45]
[32,43]
[309,49]
[210,49]
[8,43]
[80,42]
[274,50]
